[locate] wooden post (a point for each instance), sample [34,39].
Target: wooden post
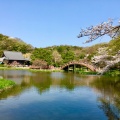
[74,66]
[68,68]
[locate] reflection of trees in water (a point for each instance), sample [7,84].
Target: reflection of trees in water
[15,91]
[68,84]
[110,96]
[108,87]
[109,109]
[21,77]
[16,75]
[43,81]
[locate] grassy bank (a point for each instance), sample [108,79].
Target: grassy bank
[113,73]
[87,73]
[14,68]
[44,70]
[5,84]
[109,73]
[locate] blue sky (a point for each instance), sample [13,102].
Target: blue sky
[43,23]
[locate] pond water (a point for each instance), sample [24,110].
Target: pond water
[59,96]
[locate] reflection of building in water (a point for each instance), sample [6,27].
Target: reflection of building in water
[16,75]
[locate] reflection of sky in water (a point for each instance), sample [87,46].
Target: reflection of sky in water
[53,96]
[15,72]
[55,102]
[16,75]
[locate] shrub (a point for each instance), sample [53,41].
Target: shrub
[6,83]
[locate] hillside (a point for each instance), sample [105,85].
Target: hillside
[99,54]
[13,44]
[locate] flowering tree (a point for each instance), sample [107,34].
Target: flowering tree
[105,28]
[105,61]
[111,63]
[56,56]
[97,31]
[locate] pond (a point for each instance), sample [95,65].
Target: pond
[59,96]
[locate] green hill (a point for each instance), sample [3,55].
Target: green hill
[58,55]
[14,44]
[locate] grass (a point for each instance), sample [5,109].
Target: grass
[5,84]
[44,70]
[113,73]
[109,73]
[14,68]
[87,73]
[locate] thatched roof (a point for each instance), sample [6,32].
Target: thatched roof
[10,55]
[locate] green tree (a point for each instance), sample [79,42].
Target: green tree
[81,56]
[68,56]
[41,53]
[14,44]
[39,63]
[114,46]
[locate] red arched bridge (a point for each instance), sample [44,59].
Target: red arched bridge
[78,63]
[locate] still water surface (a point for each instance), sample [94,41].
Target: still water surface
[59,96]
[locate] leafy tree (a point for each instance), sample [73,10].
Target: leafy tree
[61,49]
[41,53]
[39,63]
[14,44]
[3,37]
[68,56]
[81,56]
[114,46]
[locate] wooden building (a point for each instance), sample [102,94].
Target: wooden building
[13,58]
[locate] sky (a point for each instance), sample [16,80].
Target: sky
[44,23]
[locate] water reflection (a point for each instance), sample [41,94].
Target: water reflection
[106,88]
[43,81]
[110,96]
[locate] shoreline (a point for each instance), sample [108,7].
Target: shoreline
[109,73]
